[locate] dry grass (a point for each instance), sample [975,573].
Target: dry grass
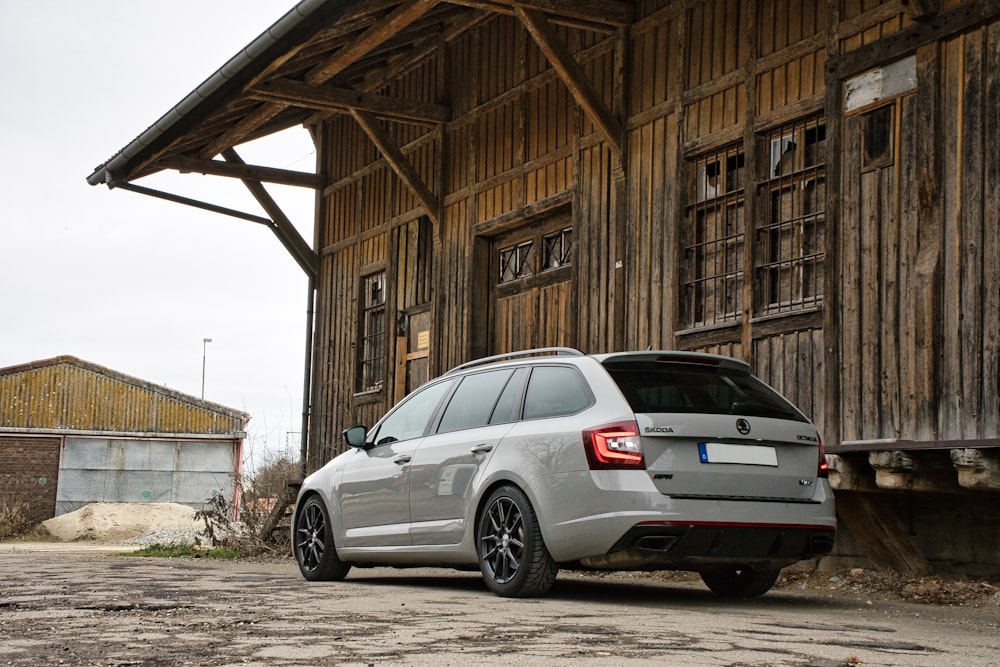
[14,520]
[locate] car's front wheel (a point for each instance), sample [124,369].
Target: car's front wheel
[740,582]
[512,554]
[313,544]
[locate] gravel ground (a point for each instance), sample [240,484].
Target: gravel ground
[166,536]
[111,610]
[129,525]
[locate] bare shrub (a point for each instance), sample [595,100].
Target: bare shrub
[14,521]
[221,531]
[272,478]
[251,534]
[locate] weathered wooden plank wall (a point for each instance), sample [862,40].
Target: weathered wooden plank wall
[991,227]
[654,91]
[919,255]
[916,235]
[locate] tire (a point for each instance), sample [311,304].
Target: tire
[313,543]
[512,554]
[740,582]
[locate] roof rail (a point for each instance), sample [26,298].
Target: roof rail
[557,351]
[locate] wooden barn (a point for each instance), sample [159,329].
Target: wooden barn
[74,433]
[809,186]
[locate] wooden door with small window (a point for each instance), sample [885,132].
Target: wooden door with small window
[532,274]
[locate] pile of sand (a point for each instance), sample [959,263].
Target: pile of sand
[106,522]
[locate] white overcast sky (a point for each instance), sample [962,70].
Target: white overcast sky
[128,281]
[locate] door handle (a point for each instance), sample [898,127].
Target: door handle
[401,459]
[481,449]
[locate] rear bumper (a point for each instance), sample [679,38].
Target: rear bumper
[694,545]
[588,516]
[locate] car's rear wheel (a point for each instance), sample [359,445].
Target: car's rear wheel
[512,554]
[740,582]
[313,543]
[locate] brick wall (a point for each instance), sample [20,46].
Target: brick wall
[29,470]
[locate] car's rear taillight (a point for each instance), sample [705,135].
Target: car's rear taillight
[614,447]
[824,467]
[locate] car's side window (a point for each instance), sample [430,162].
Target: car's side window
[506,408]
[410,418]
[554,391]
[472,403]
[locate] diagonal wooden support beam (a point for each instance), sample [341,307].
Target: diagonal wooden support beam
[400,164]
[283,228]
[572,75]
[391,25]
[326,98]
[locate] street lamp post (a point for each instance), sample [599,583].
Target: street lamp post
[204,342]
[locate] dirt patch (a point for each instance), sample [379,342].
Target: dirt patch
[934,590]
[856,582]
[109,522]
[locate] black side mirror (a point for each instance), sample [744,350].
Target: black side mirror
[355,436]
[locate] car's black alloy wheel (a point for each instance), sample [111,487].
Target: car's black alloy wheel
[313,545]
[512,554]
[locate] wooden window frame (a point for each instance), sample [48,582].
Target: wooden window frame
[557,249]
[789,235]
[534,270]
[714,238]
[373,332]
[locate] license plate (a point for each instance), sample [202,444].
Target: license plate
[750,455]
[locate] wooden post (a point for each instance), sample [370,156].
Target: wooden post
[280,508]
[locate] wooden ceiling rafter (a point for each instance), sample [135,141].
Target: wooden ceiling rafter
[242,171]
[596,15]
[376,43]
[375,35]
[328,39]
[237,133]
[375,80]
[401,45]
[191,144]
[287,91]
[394,22]
[617,14]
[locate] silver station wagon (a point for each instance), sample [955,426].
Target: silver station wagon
[525,463]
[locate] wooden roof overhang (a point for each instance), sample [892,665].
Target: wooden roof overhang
[336,56]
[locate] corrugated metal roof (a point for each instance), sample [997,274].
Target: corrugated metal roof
[66,393]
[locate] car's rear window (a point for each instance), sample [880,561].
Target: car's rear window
[651,386]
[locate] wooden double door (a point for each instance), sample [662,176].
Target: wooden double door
[532,286]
